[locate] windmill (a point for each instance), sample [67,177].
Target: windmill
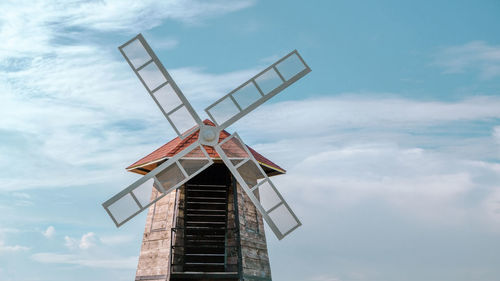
[193,159]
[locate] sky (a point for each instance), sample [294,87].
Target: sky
[391,144]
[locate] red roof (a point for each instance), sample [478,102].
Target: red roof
[176,145]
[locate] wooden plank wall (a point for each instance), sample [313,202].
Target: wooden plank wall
[155,250]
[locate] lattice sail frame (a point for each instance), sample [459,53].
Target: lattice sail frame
[160,85]
[193,159]
[263,86]
[136,195]
[263,194]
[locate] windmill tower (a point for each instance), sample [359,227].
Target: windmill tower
[206,191]
[206,229]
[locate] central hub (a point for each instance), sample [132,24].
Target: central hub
[209,135]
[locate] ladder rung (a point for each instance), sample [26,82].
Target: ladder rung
[191,209]
[208,255]
[203,263]
[206,185]
[208,203]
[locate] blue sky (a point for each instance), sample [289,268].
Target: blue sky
[391,143]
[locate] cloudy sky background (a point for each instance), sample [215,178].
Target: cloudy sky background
[392,142]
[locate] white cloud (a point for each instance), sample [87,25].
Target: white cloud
[413,180]
[324,277]
[71,104]
[120,15]
[492,206]
[30,27]
[203,88]
[21,195]
[496,133]
[8,230]
[476,55]
[65,110]
[83,252]
[79,123]
[116,239]
[339,151]
[86,261]
[319,116]
[21,199]
[70,243]
[87,241]
[49,232]
[10,249]
[76,112]
[162,43]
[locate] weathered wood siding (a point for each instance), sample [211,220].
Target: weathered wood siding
[155,250]
[255,260]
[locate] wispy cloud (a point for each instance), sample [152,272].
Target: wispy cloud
[8,230]
[492,205]
[80,115]
[353,111]
[22,195]
[69,102]
[115,239]
[162,43]
[496,133]
[476,56]
[203,88]
[419,182]
[418,156]
[119,15]
[31,27]
[324,278]
[11,248]
[89,250]
[70,243]
[86,261]
[87,241]
[49,232]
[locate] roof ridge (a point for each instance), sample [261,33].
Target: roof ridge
[159,148]
[177,144]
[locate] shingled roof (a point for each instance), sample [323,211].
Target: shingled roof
[163,153]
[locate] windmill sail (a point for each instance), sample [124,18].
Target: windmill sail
[165,178]
[193,159]
[160,85]
[259,188]
[257,90]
